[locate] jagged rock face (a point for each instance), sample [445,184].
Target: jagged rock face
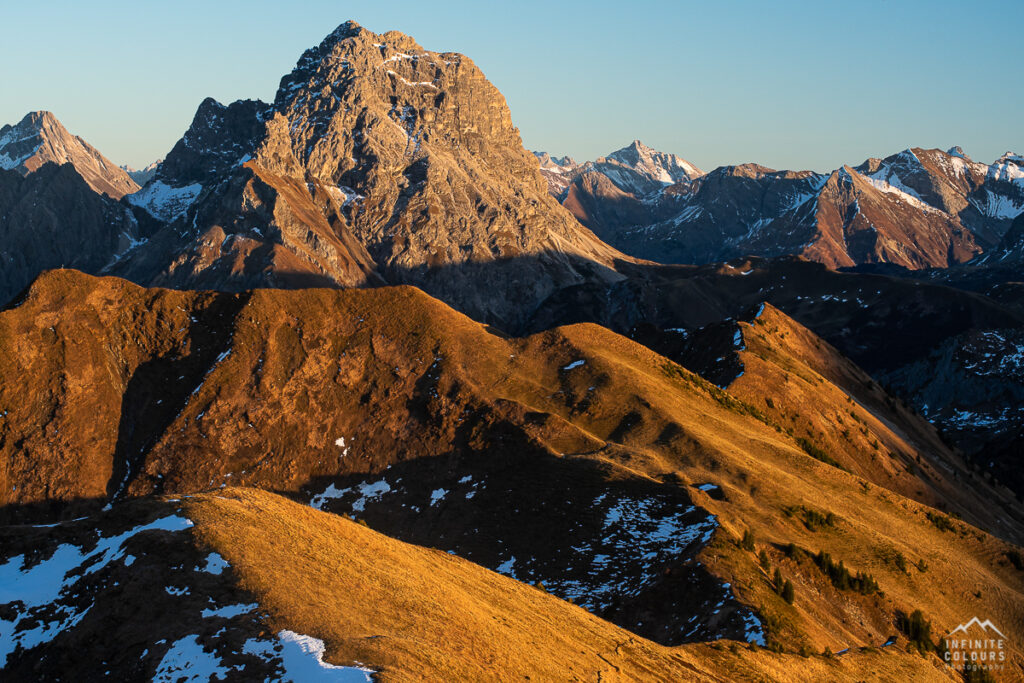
[916,209]
[557,171]
[600,204]
[729,211]
[635,185]
[39,138]
[219,139]
[52,218]
[378,159]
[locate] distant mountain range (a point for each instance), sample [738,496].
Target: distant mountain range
[915,209]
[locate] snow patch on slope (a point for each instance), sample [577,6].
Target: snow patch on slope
[187,660]
[38,587]
[301,659]
[163,201]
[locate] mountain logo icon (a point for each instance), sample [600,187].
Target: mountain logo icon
[983,625]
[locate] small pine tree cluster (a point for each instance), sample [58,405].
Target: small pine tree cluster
[900,561]
[815,520]
[747,542]
[783,587]
[918,631]
[841,578]
[940,521]
[1014,556]
[812,449]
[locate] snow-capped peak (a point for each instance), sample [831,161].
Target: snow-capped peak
[40,138]
[1010,157]
[555,164]
[640,169]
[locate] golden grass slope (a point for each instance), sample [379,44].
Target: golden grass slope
[417,614]
[262,385]
[807,387]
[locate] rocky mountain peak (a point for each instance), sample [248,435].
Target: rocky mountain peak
[557,164]
[378,160]
[1012,158]
[219,138]
[142,175]
[633,153]
[659,167]
[38,123]
[360,98]
[40,138]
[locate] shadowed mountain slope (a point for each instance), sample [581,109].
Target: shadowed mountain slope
[52,218]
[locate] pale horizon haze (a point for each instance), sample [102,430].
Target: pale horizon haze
[795,85]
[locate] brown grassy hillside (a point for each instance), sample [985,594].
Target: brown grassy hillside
[418,614]
[802,383]
[209,585]
[554,450]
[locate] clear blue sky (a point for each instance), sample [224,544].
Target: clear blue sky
[786,84]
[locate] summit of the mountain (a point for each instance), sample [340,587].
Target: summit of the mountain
[657,167]
[636,169]
[378,161]
[555,164]
[39,138]
[957,151]
[1011,157]
[630,186]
